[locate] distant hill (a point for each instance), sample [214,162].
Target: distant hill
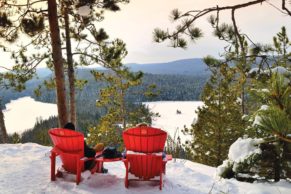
[194,66]
[43,72]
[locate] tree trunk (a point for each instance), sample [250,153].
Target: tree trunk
[57,62]
[123,111]
[71,74]
[219,128]
[4,137]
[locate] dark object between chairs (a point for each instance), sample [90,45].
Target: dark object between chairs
[111,152]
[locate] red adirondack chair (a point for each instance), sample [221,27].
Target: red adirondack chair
[144,159]
[69,145]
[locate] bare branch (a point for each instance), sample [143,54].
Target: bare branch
[274,6]
[285,8]
[237,34]
[27,4]
[8,69]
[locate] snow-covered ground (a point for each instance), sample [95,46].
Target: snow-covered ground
[22,114]
[172,122]
[25,168]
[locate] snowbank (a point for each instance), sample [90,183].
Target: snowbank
[239,152]
[25,168]
[243,148]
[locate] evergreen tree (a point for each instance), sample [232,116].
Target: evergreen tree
[15,138]
[83,22]
[219,120]
[113,97]
[38,134]
[274,93]
[270,90]
[238,47]
[3,131]
[45,42]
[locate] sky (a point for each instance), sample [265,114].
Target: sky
[136,21]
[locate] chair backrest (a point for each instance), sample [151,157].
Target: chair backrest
[145,166]
[144,139]
[71,143]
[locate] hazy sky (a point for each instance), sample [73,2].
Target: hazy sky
[135,23]
[137,20]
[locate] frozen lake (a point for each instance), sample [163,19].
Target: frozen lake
[22,114]
[172,122]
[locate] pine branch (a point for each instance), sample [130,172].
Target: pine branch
[280,136]
[215,9]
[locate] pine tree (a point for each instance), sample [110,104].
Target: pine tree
[270,116]
[219,120]
[113,97]
[82,22]
[3,131]
[45,41]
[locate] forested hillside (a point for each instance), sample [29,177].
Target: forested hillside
[190,67]
[169,87]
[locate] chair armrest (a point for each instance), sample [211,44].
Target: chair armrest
[168,158]
[86,159]
[58,151]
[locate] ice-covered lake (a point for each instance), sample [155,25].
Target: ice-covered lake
[174,115]
[22,114]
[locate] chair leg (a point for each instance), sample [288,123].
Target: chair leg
[100,167]
[78,175]
[53,166]
[95,168]
[161,180]
[164,167]
[126,181]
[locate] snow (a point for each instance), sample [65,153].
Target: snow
[170,121]
[26,110]
[84,11]
[225,165]
[280,69]
[254,70]
[243,148]
[25,168]
[141,153]
[264,107]
[265,90]
[258,119]
[238,152]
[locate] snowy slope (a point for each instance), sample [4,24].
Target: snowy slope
[169,120]
[25,168]
[26,110]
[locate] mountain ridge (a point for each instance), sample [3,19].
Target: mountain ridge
[194,66]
